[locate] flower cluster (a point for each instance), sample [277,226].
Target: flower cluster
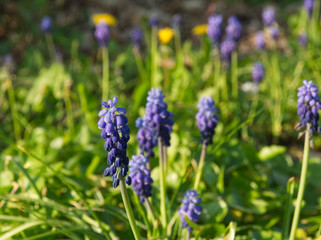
[115,132]
[165,35]
[137,37]
[157,122]
[190,208]
[207,119]
[308,106]
[46,24]
[153,22]
[140,175]
[102,34]
[233,29]
[258,72]
[214,30]
[274,32]
[176,21]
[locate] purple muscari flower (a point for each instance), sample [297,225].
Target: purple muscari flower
[227,47]
[207,119]
[9,63]
[308,106]
[308,5]
[190,208]
[274,32]
[102,34]
[153,22]
[303,39]
[137,37]
[115,132]
[214,31]
[260,40]
[176,21]
[46,24]
[233,29]
[268,16]
[157,122]
[258,72]
[140,175]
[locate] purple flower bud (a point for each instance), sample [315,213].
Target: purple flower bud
[303,39]
[268,16]
[308,5]
[214,31]
[233,29]
[137,37]
[274,32]
[260,40]
[258,72]
[190,208]
[308,106]
[176,21]
[207,119]
[102,34]
[46,24]
[227,47]
[153,22]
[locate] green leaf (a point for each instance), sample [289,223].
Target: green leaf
[270,152]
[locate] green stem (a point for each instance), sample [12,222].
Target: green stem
[302,182]
[68,107]
[140,64]
[14,112]
[200,167]
[162,184]
[128,207]
[288,209]
[153,56]
[150,210]
[50,45]
[105,80]
[217,72]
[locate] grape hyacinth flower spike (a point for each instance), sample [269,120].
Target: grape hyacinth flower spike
[46,24]
[227,48]
[206,122]
[308,5]
[102,34]
[141,178]
[153,22]
[214,31]
[190,208]
[260,40]
[137,37]
[233,29]
[258,72]
[303,39]
[115,132]
[268,16]
[308,106]
[274,32]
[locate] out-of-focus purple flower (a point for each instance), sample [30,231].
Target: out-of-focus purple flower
[260,40]
[268,16]
[207,119]
[308,5]
[102,34]
[115,132]
[190,208]
[308,106]
[303,39]
[214,28]
[176,21]
[227,47]
[153,22]
[9,63]
[140,175]
[46,24]
[137,37]
[258,72]
[157,122]
[233,29]
[274,32]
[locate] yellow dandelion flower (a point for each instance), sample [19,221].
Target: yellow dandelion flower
[109,19]
[165,35]
[200,29]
